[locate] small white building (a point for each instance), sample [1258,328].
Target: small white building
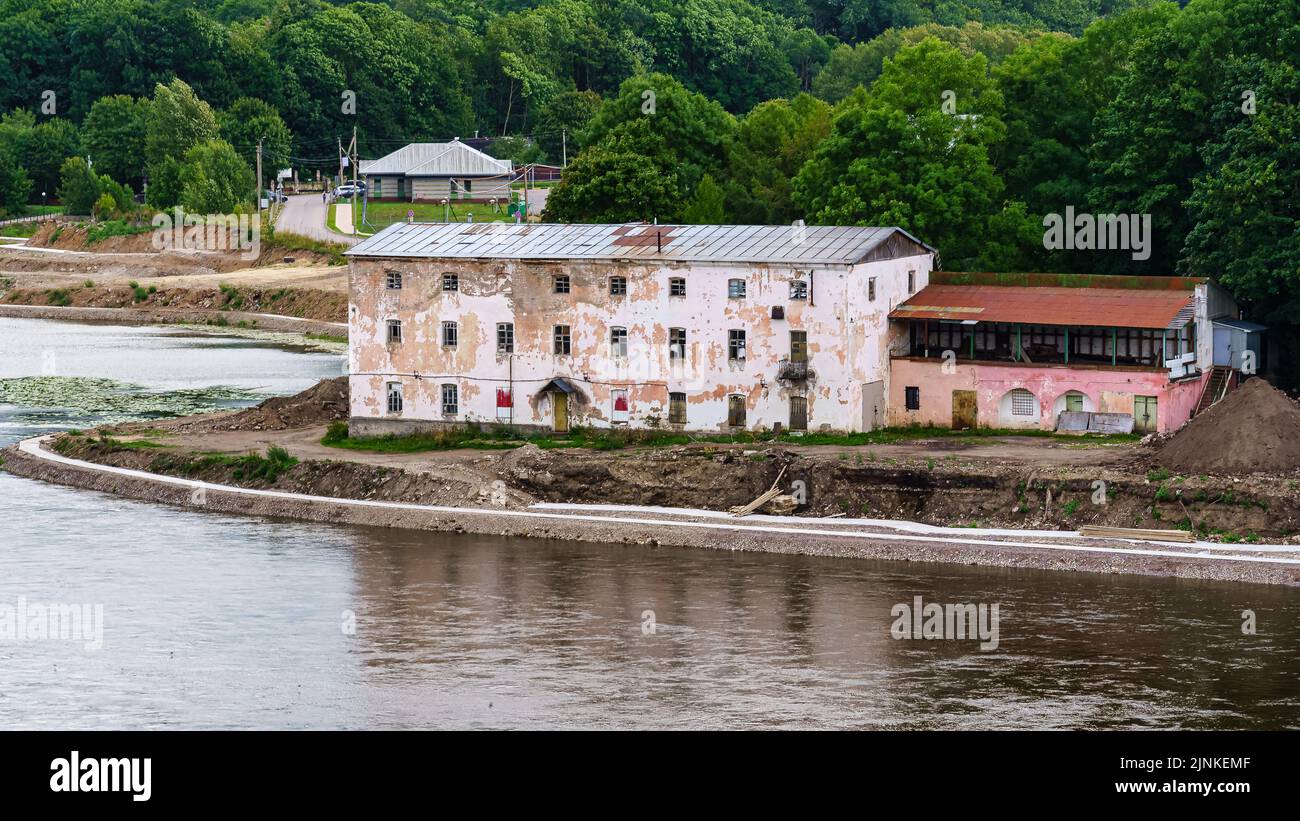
[432,172]
[689,327]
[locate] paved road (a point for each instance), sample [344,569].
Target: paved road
[305,214]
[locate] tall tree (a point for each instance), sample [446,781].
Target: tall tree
[113,134]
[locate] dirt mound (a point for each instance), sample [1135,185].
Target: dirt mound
[324,402]
[1255,429]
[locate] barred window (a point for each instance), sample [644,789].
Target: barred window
[505,337]
[450,400]
[394,330]
[912,398]
[1022,403]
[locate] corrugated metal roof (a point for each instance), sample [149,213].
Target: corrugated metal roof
[436,159]
[702,243]
[1104,307]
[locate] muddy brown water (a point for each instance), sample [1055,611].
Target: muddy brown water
[214,621]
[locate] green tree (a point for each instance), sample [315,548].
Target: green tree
[559,126]
[773,141]
[177,121]
[15,187]
[79,187]
[245,122]
[706,206]
[626,176]
[214,179]
[113,135]
[44,147]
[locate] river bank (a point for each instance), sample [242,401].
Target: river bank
[999,502]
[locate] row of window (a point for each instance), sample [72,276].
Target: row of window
[562,340]
[450,394]
[736,288]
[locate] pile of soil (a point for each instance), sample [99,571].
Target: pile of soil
[324,402]
[1255,429]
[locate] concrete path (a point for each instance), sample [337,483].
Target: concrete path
[305,214]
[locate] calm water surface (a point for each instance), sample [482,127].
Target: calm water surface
[215,621]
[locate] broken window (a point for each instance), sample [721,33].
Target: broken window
[450,334]
[676,286]
[736,288]
[736,345]
[394,330]
[394,282]
[450,400]
[871,289]
[911,282]
[798,346]
[561,283]
[736,411]
[620,406]
[798,289]
[394,397]
[450,282]
[677,343]
[618,342]
[562,340]
[677,408]
[505,337]
[912,398]
[618,286]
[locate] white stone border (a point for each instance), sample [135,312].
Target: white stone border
[33,447]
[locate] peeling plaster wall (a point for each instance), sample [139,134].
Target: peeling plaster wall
[1107,391]
[848,342]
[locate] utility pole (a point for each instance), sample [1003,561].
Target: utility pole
[564,147]
[257,191]
[340,139]
[352,158]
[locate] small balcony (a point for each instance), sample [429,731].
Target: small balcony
[793,370]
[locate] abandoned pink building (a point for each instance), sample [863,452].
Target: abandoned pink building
[1068,352]
[689,327]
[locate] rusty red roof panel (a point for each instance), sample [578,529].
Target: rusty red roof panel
[1104,307]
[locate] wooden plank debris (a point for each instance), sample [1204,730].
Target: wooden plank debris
[1136,533]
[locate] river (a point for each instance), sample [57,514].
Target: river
[218,621]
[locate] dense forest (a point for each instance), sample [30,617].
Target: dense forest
[964,122]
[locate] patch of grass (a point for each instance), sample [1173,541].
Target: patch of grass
[1158,475]
[58,296]
[1070,507]
[256,467]
[234,300]
[101,231]
[1164,494]
[341,339]
[90,283]
[297,242]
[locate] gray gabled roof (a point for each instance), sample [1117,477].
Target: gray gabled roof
[639,241]
[436,160]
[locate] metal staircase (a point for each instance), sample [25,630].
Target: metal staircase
[1221,380]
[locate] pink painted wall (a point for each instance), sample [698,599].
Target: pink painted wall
[1105,390]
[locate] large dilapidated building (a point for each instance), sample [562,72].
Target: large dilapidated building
[691,327]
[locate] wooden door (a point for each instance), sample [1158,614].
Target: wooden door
[560,411]
[1144,414]
[964,412]
[798,413]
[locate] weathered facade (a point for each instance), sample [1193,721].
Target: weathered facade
[709,328]
[1019,351]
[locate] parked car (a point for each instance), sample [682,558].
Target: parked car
[347,189]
